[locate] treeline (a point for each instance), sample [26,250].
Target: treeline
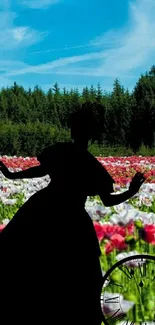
[32,119]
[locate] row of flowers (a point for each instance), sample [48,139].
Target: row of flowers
[122,230]
[117,237]
[115,227]
[122,169]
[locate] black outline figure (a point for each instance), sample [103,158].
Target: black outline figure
[49,250]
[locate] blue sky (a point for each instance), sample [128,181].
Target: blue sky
[77,43]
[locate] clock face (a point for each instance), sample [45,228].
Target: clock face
[128,292]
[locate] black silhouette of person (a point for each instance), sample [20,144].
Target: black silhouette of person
[49,250]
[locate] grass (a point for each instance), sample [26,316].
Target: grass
[117,151]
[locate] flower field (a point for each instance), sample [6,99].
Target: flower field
[122,230]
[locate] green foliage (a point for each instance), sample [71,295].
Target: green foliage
[105,151]
[33,119]
[8,211]
[145,151]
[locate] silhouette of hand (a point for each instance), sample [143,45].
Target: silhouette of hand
[4,170]
[136,183]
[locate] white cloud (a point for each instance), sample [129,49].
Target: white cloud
[18,36]
[109,39]
[97,42]
[137,43]
[38,4]
[129,48]
[116,53]
[47,67]
[12,37]
[21,33]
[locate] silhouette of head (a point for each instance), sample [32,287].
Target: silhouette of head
[85,123]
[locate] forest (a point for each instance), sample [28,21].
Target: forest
[33,119]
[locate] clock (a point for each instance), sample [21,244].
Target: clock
[128,292]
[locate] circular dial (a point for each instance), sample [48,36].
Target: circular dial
[128,291]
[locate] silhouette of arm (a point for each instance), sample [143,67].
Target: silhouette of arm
[37,171]
[105,188]
[110,200]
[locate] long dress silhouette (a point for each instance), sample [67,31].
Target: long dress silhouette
[49,250]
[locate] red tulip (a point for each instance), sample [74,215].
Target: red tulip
[149,234]
[118,242]
[108,248]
